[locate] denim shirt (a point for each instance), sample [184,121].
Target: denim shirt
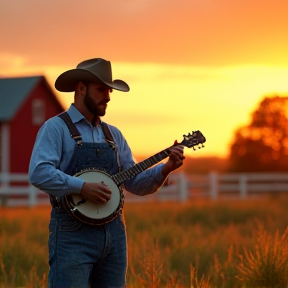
[53,150]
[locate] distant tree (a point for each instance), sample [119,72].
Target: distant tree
[262,146]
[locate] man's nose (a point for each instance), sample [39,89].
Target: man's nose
[107,95]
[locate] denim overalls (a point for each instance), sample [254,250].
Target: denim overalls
[82,255]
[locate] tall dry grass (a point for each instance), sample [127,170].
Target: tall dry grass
[225,244]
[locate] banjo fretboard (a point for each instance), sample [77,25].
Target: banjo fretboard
[189,141]
[120,177]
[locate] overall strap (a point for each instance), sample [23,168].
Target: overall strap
[107,133]
[74,133]
[109,139]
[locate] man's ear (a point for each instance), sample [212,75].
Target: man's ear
[81,88]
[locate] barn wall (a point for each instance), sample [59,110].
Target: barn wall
[23,132]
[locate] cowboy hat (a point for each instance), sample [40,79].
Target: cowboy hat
[96,70]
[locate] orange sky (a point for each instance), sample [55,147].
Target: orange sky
[191,64]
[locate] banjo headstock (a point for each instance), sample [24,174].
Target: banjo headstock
[193,139]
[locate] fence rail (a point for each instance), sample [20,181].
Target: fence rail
[15,189]
[240,185]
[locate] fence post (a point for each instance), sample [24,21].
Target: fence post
[183,187]
[32,201]
[4,188]
[213,185]
[243,186]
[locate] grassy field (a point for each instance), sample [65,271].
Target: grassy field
[227,244]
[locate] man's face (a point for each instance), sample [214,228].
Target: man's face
[96,98]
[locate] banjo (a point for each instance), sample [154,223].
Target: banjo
[93,213]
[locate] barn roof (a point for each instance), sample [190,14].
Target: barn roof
[13,92]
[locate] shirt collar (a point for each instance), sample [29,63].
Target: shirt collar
[76,116]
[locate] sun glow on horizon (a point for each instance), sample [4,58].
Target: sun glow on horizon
[167,101]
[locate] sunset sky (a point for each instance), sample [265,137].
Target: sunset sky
[190,64]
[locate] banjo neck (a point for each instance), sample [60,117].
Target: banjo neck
[189,141]
[120,177]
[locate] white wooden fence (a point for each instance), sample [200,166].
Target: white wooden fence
[237,185]
[13,194]
[180,188]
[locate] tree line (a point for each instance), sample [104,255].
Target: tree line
[260,146]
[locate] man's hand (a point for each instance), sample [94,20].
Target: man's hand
[175,161]
[96,192]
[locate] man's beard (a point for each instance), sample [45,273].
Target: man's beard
[92,106]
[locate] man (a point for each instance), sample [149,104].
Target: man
[83,255]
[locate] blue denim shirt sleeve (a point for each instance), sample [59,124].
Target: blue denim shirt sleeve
[49,159]
[53,150]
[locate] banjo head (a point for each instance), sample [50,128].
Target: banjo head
[96,213]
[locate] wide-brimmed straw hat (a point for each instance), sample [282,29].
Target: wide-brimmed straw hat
[96,70]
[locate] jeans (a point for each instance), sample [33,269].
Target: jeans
[82,256]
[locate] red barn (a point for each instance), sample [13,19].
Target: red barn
[25,103]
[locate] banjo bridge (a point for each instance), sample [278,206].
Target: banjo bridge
[79,203]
